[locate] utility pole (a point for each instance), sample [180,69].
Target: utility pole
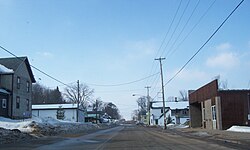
[148,98]
[162,89]
[78,101]
[96,107]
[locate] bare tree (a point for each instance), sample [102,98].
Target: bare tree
[223,85]
[112,110]
[183,95]
[85,94]
[135,115]
[142,103]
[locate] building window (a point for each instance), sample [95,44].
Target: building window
[28,104]
[18,82]
[204,115]
[4,103]
[17,102]
[28,86]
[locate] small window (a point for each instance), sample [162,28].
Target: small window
[4,103]
[17,102]
[28,104]
[28,86]
[18,82]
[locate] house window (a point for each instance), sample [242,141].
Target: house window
[4,103]
[28,86]
[18,82]
[27,104]
[17,102]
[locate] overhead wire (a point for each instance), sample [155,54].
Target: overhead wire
[199,20]
[59,81]
[164,39]
[203,45]
[178,23]
[126,83]
[210,37]
[185,25]
[62,83]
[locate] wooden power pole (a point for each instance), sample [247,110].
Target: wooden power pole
[162,89]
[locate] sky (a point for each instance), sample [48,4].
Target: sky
[111,45]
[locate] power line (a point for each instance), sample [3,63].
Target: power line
[34,67]
[183,28]
[67,84]
[204,14]
[126,83]
[202,45]
[205,43]
[178,23]
[164,39]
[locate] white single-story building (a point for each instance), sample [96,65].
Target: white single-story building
[67,112]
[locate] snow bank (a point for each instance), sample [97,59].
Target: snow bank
[21,125]
[3,69]
[239,129]
[46,126]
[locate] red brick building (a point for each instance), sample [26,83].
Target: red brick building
[219,109]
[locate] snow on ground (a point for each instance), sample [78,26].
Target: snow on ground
[239,129]
[21,125]
[17,130]
[45,126]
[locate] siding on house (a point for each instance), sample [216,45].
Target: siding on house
[8,81]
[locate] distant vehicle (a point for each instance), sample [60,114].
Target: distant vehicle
[139,123]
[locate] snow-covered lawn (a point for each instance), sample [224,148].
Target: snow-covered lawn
[239,129]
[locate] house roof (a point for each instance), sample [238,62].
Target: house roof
[5,70]
[54,106]
[14,62]
[172,105]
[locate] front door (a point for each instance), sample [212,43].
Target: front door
[4,105]
[214,116]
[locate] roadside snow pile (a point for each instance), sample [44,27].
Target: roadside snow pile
[12,131]
[21,125]
[46,126]
[174,126]
[239,129]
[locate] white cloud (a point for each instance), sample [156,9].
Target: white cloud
[224,46]
[226,60]
[46,54]
[191,75]
[139,49]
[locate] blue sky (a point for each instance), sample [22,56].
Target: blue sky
[116,41]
